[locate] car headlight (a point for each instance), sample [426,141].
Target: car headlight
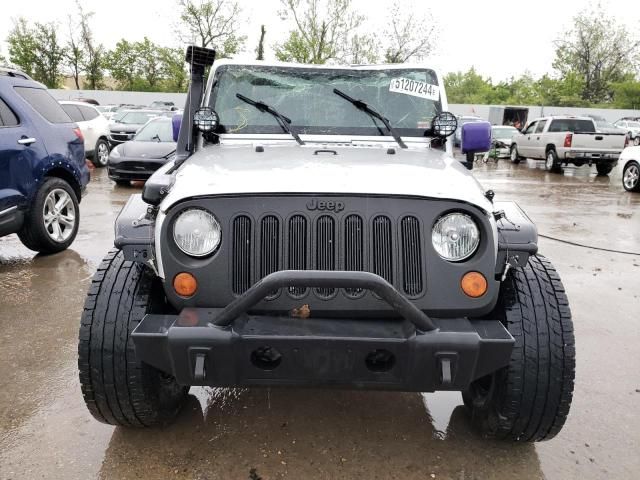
[455,236]
[197,232]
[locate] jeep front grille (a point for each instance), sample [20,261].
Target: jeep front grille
[328,242]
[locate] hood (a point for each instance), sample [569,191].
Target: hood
[124,127]
[135,149]
[239,169]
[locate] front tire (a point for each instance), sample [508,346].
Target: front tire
[52,221]
[101,153]
[636,141]
[513,154]
[631,176]
[117,388]
[529,400]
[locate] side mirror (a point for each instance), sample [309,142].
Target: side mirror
[176,121]
[475,137]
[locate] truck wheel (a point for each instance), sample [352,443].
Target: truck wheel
[636,141]
[529,399]
[101,153]
[117,388]
[631,176]
[552,163]
[52,221]
[604,168]
[513,154]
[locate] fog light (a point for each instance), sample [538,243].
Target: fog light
[474,284]
[185,284]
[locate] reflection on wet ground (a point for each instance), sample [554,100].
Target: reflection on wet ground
[46,432]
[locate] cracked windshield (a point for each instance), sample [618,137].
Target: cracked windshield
[409,98]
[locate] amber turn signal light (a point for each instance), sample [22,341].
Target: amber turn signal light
[474,284]
[185,284]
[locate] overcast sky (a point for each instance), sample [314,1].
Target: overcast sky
[500,38]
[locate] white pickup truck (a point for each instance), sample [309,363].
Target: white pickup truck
[562,140]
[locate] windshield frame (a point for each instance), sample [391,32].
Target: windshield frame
[368,134]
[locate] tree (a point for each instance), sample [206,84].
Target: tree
[468,87]
[149,63]
[123,65]
[324,30]
[75,55]
[176,77]
[212,23]
[37,51]
[95,55]
[408,35]
[22,47]
[260,49]
[626,94]
[599,50]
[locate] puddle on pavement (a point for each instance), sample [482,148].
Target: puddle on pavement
[440,406]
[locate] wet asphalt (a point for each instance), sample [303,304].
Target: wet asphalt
[46,432]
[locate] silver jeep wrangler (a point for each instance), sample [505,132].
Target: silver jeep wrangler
[314,229]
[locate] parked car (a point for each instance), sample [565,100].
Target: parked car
[461,121]
[503,134]
[42,166]
[630,161]
[344,247]
[564,139]
[632,127]
[138,158]
[95,130]
[161,105]
[126,123]
[108,111]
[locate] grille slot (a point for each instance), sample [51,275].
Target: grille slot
[325,250]
[241,259]
[382,248]
[353,249]
[411,256]
[269,247]
[297,249]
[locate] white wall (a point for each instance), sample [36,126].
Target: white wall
[536,111]
[106,97]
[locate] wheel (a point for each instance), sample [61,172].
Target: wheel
[101,153]
[552,163]
[513,155]
[604,168]
[529,400]
[52,221]
[631,176]
[636,141]
[117,388]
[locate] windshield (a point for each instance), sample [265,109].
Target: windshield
[409,98]
[157,130]
[504,132]
[135,117]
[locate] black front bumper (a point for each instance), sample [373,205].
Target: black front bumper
[133,168]
[232,348]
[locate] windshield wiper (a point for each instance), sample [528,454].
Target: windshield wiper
[282,120]
[360,105]
[156,137]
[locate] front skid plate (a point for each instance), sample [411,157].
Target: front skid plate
[322,351]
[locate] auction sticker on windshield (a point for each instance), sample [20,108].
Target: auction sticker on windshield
[415,88]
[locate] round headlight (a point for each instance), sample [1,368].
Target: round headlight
[444,124]
[197,232]
[455,236]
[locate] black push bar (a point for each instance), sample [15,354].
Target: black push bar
[324,279]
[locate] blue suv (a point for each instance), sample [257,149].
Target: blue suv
[42,166]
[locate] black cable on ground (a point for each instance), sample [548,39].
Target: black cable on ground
[588,246]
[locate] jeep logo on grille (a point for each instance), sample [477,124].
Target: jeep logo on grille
[325,205]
